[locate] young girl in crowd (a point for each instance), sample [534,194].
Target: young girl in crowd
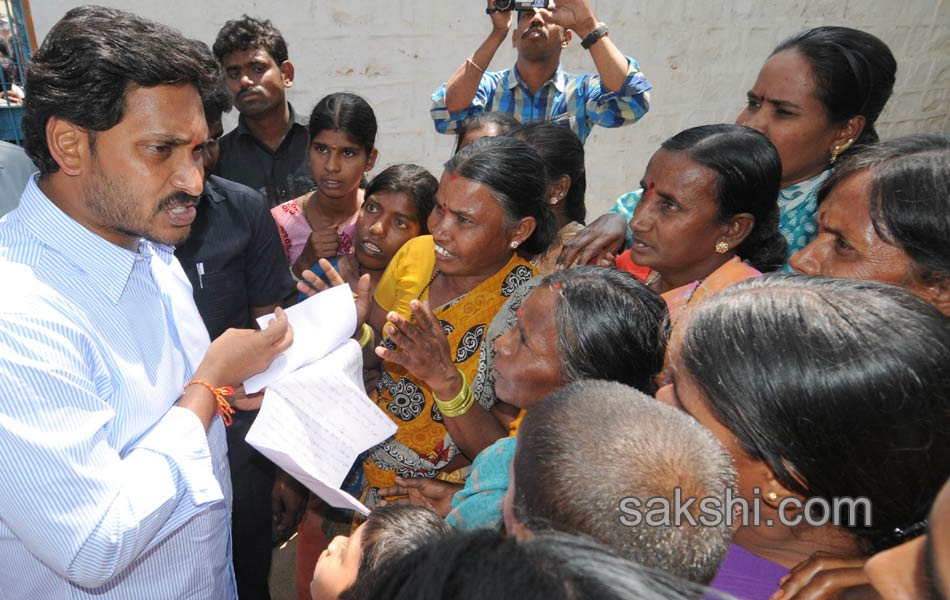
[396,209]
[388,534]
[320,224]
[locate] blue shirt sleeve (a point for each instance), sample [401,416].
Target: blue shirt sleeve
[614,109]
[84,508]
[447,122]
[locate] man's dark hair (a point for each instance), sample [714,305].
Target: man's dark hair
[88,62]
[248,33]
[216,100]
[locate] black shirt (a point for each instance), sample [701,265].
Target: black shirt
[233,256]
[279,176]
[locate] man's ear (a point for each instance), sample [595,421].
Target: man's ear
[566,40]
[287,73]
[68,144]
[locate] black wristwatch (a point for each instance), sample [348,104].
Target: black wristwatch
[592,38]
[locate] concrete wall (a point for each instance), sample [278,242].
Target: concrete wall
[701,55]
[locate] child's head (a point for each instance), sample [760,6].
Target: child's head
[397,205]
[485,124]
[342,143]
[389,533]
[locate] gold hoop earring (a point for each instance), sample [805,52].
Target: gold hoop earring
[722,247]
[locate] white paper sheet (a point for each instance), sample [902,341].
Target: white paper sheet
[321,323]
[316,421]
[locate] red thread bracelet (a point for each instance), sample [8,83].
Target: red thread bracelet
[220,396]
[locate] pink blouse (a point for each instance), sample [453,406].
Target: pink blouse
[295,231]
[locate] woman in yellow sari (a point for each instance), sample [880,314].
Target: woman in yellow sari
[708,216]
[490,214]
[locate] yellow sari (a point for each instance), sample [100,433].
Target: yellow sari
[422,447]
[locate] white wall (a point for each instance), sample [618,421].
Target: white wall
[701,55]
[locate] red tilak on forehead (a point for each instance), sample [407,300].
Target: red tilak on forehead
[648,190]
[453,176]
[520,311]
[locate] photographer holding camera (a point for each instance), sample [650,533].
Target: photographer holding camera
[537,88]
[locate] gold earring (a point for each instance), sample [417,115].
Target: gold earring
[514,245]
[722,247]
[772,496]
[834,155]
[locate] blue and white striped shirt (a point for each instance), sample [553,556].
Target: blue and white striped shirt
[577,101]
[108,489]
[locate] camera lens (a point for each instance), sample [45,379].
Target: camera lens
[504,5]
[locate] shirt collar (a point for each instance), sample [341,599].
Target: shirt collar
[210,192]
[295,120]
[108,265]
[559,79]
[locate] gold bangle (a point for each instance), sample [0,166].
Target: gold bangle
[368,336]
[474,64]
[460,404]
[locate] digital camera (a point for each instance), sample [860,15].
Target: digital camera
[503,5]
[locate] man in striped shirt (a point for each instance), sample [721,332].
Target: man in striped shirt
[537,88]
[115,477]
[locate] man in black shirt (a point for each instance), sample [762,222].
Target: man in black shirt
[269,149]
[239,271]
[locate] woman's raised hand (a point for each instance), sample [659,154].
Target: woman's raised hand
[422,349]
[312,284]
